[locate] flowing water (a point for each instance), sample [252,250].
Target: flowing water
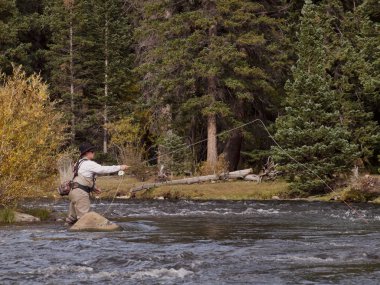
[288,242]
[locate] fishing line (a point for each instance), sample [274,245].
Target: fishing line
[361,216]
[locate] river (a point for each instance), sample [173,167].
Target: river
[185,242]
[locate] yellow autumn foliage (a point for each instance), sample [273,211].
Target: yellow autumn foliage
[126,137]
[31,133]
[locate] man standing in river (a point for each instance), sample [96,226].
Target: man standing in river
[85,171]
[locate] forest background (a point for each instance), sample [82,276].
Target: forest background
[140,79]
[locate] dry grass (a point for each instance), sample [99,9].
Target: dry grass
[376,201]
[111,185]
[7,216]
[237,190]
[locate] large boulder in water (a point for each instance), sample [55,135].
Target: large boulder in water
[94,222]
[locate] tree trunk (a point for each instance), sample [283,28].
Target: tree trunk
[212,89]
[165,118]
[212,153]
[105,115]
[232,150]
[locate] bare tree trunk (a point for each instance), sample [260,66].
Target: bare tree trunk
[212,143]
[212,153]
[165,118]
[105,114]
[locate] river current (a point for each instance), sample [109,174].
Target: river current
[185,242]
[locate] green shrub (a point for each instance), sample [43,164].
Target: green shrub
[7,216]
[354,195]
[43,214]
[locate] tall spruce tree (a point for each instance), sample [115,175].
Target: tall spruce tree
[91,59]
[23,36]
[64,57]
[208,59]
[351,56]
[108,58]
[315,142]
[9,42]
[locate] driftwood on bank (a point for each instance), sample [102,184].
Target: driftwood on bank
[268,172]
[240,174]
[253,177]
[192,180]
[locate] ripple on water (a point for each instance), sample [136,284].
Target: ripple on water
[201,243]
[162,273]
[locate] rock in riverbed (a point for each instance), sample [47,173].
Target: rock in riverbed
[21,217]
[94,222]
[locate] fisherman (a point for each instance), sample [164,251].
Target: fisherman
[84,182]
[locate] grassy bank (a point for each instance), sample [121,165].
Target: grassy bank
[220,190]
[7,216]
[236,190]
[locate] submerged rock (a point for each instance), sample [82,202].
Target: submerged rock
[21,217]
[94,222]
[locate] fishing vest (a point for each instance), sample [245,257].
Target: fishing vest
[81,182]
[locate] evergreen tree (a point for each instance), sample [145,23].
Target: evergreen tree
[315,142]
[91,60]
[8,35]
[23,36]
[107,58]
[351,53]
[208,59]
[64,20]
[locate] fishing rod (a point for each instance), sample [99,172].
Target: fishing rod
[275,142]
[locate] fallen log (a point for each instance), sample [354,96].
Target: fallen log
[253,177]
[239,174]
[192,180]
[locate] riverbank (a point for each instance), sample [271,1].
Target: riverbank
[219,190]
[114,186]
[228,190]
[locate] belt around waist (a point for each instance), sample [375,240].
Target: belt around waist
[83,187]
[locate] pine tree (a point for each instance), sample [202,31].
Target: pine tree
[23,36]
[106,58]
[8,35]
[315,142]
[91,60]
[351,54]
[64,20]
[210,60]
